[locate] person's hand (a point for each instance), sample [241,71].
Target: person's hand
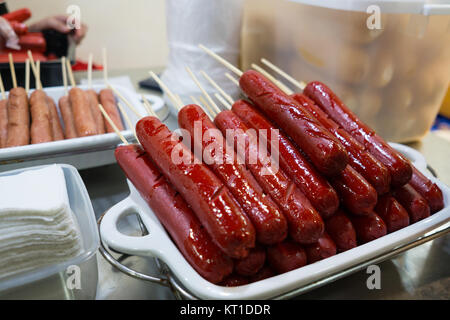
[59,23]
[8,37]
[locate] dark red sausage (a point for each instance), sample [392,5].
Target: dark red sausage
[210,199]
[357,195]
[341,230]
[325,151]
[321,194]
[427,189]
[322,249]
[305,223]
[251,264]
[174,213]
[393,214]
[269,223]
[397,164]
[234,280]
[264,273]
[359,158]
[413,202]
[368,227]
[286,256]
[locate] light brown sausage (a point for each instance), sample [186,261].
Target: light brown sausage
[56,122]
[18,118]
[96,113]
[82,115]
[41,120]
[108,102]
[3,122]
[67,115]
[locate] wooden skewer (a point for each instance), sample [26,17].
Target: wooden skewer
[69,70]
[112,124]
[33,66]
[121,97]
[64,74]
[127,119]
[38,72]
[221,60]
[230,77]
[206,104]
[278,83]
[179,99]
[149,107]
[194,78]
[2,88]
[152,111]
[218,88]
[145,104]
[105,66]
[90,71]
[301,85]
[194,99]
[223,101]
[13,70]
[27,75]
[167,90]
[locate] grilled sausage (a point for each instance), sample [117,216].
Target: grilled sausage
[210,199]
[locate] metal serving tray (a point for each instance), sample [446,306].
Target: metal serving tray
[82,153]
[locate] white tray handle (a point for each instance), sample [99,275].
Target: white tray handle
[144,245]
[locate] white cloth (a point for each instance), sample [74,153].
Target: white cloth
[215,24]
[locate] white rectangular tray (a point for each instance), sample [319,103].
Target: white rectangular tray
[82,153]
[158,244]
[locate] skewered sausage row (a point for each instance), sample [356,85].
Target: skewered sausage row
[174,213]
[36,120]
[270,225]
[398,165]
[363,216]
[305,224]
[211,200]
[319,192]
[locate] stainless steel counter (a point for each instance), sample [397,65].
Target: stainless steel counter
[420,273]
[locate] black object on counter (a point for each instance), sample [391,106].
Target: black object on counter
[150,84]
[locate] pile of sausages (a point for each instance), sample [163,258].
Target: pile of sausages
[339,184]
[36,119]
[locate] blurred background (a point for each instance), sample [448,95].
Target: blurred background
[133,31]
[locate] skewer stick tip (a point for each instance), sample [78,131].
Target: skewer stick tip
[299,84]
[221,60]
[163,86]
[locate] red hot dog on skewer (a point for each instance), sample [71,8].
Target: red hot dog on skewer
[399,166]
[270,225]
[325,151]
[305,224]
[361,160]
[210,199]
[174,213]
[321,194]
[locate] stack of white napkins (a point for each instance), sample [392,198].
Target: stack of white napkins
[37,226]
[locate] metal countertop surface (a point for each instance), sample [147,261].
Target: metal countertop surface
[419,273]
